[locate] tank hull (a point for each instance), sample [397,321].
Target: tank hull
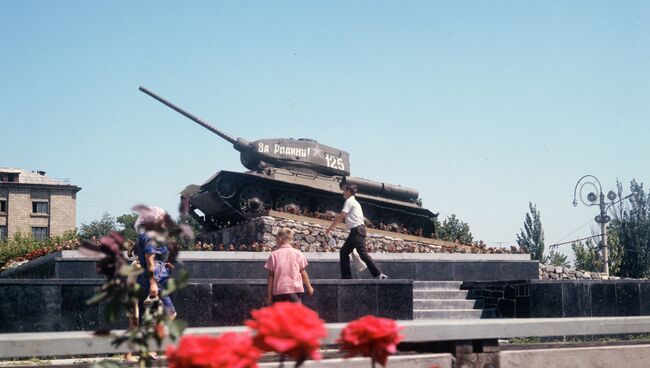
[229,198]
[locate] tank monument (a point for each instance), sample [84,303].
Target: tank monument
[298,176]
[296,183]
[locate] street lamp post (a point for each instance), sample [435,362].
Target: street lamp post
[602,218]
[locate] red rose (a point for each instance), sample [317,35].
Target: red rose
[288,328]
[372,337]
[230,350]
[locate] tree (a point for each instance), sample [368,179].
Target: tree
[98,228]
[633,233]
[587,256]
[531,238]
[127,221]
[453,229]
[556,258]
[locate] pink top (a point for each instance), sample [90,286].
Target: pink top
[286,262]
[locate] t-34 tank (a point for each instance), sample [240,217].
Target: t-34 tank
[298,176]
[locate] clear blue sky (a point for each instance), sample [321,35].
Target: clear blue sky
[482,106]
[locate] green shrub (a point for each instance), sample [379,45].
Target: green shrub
[24,247]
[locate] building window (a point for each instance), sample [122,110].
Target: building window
[40,207]
[3,206]
[40,233]
[8,178]
[3,232]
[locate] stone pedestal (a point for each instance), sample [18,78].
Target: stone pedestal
[258,234]
[60,305]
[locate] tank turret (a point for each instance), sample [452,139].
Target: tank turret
[296,175]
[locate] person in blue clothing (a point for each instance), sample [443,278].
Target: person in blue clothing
[153,259]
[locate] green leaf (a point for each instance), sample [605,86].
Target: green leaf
[177,283]
[176,328]
[112,310]
[170,288]
[130,270]
[120,340]
[97,298]
[183,278]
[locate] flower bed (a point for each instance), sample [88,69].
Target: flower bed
[22,248]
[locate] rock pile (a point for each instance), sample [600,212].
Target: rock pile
[258,234]
[550,272]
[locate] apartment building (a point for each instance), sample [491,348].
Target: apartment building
[32,203]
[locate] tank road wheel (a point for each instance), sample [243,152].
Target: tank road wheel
[292,203]
[392,222]
[421,226]
[225,188]
[254,198]
[328,208]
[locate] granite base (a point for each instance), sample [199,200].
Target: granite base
[250,266]
[59,305]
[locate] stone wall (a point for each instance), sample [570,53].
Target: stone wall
[250,266]
[509,299]
[258,234]
[63,211]
[60,305]
[550,272]
[19,208]
[513,298]
[563,298]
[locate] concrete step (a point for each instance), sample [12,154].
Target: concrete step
[446,304]
[437,285]
[453,313]
[439,294]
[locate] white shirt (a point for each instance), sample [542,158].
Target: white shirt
[353,213]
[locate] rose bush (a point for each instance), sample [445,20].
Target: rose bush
[110,250]
[22,248]
[372,337]
[288,328]
[230,350]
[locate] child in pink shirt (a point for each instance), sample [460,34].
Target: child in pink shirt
[287,273]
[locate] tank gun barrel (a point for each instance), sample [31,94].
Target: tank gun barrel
[191,117]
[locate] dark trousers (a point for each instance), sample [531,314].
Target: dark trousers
[356,240]
[294,298]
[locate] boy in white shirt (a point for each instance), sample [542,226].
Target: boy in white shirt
[353,216]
